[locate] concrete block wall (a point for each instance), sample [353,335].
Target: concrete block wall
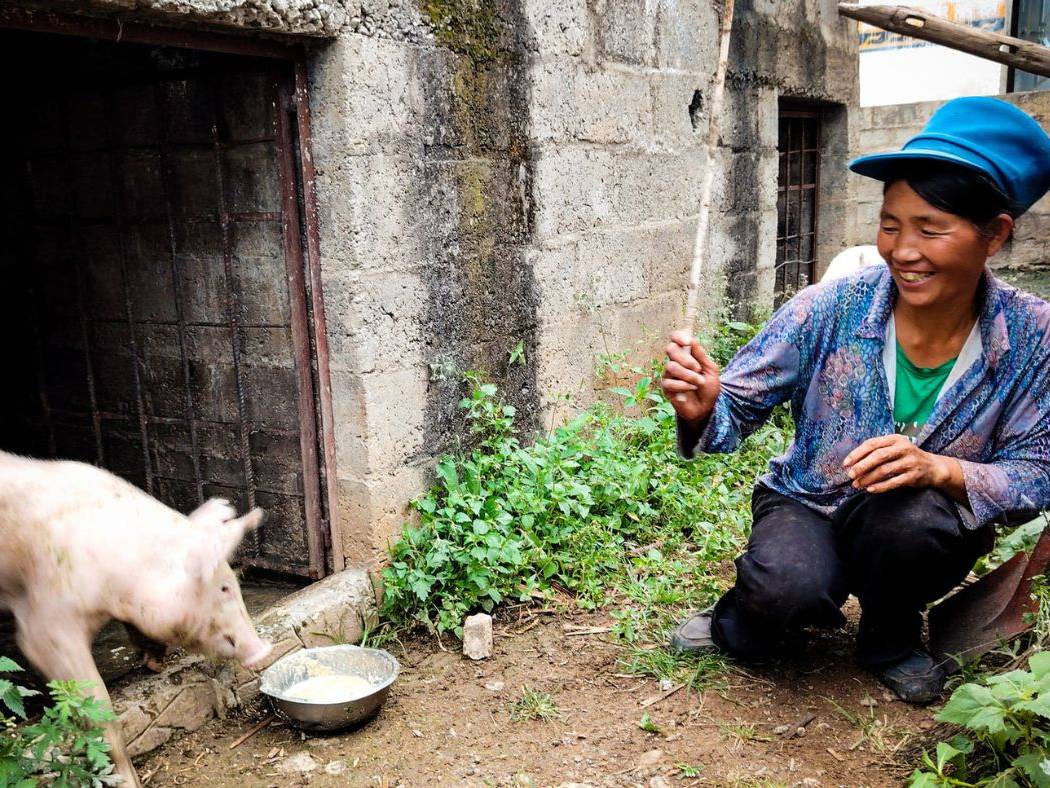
[425,186]
[888,127]
[617,190]
[618,165]
[300,17]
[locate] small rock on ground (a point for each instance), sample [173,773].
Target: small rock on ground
[300,762]
[335,767]
[477,636]
[649,759]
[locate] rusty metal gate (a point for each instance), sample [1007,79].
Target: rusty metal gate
[156,297]
[797,189]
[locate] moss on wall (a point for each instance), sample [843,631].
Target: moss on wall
[468,27]
[482,300]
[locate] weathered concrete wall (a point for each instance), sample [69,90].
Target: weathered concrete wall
[619,97]
[425,186]
[301,17]
[534,177]
[802,50]
[888,127]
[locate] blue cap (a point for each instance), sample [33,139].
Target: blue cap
[984,134]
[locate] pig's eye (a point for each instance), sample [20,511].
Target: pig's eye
[225,589]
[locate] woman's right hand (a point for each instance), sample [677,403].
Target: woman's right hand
[690,380]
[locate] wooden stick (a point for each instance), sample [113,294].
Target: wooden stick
[662,696]
[802,722]
[1025,55]
[587,631]
[254,730]
[692,305]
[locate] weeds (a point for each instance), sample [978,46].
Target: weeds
[875,732]
[743,734]
[646,724]
[1006,736]
[533,705]
[688,771]
[602,508]
[1004,718]
[696,671]
[64,748]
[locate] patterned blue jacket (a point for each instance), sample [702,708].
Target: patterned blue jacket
[822,351]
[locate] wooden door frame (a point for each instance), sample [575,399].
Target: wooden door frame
[302,243]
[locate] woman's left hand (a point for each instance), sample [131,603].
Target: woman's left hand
[891,461]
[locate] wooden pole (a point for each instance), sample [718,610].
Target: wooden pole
[692,305]
[1024,55]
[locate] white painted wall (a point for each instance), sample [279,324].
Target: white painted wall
[895,69]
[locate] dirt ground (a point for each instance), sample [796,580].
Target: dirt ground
[448,722]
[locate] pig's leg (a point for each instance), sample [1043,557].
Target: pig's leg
[61,650]
[153,652]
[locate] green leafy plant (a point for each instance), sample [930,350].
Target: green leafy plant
[727,337]
[567,513]
[1020,539]
[517,355]
[646,724]
[64,748]
[1005,738]
[688,771]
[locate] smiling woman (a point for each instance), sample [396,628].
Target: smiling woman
[938,225]
[920,391]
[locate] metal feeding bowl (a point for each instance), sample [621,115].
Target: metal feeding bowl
[353,683]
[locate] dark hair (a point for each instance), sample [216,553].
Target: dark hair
[958,190]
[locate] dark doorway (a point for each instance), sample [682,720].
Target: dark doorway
[154,301]
[797,187]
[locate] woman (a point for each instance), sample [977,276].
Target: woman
[920,391]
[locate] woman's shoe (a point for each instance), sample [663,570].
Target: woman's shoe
[918,678]
[693,635]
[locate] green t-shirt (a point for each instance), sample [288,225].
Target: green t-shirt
[916,393]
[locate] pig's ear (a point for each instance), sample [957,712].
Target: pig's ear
[213,512]
[221,540]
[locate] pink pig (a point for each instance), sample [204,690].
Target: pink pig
[82,546]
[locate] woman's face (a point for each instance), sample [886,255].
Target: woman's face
[936,257]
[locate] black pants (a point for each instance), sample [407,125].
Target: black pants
[897,552]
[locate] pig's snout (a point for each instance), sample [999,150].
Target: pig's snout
[256,653]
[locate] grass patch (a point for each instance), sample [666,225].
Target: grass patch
[875,732]
[743,733]
[534,705]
